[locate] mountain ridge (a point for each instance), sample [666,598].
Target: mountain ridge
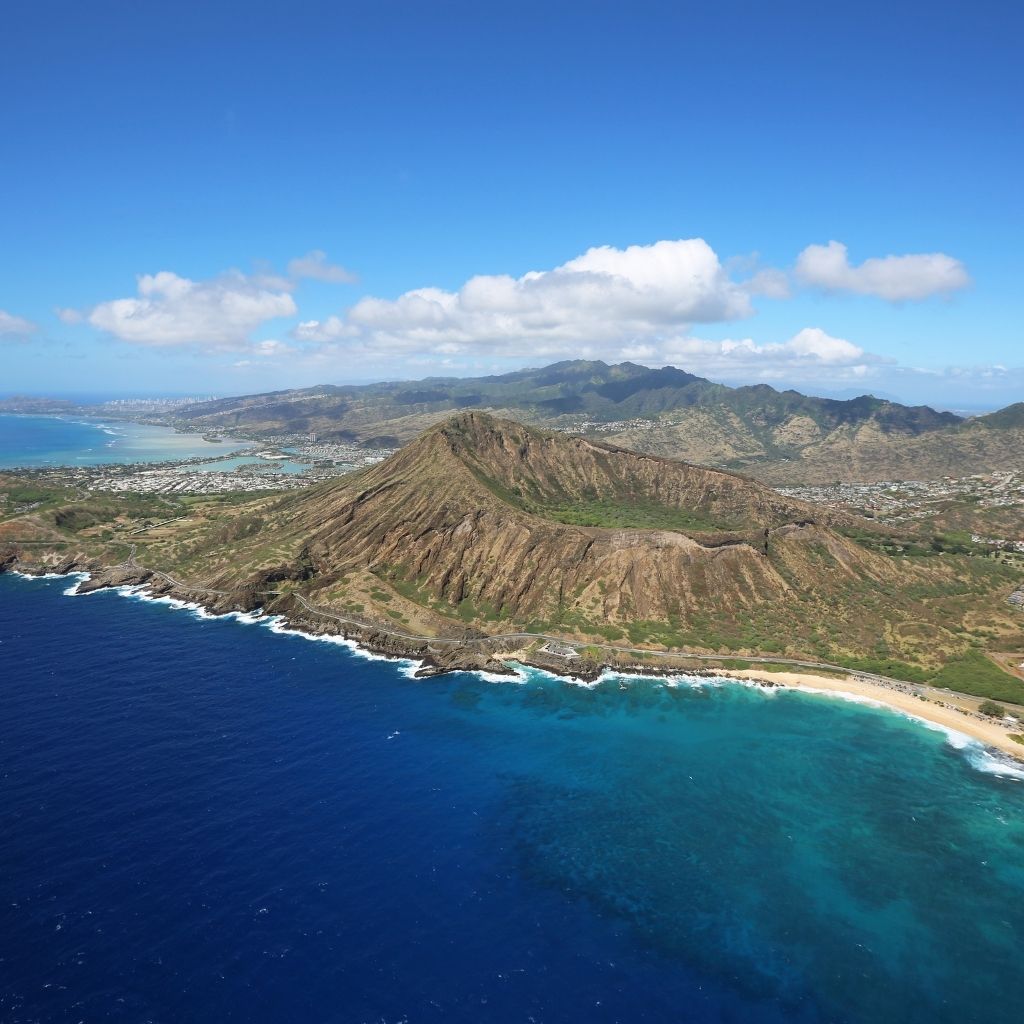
[782,437]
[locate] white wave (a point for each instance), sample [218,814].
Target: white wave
[39,576]
[531,673]
[72,591]
[986,760]
[518,676]
[696,682]
[257,615]
[608,675]
[956,739]
[671,681]
[140,592]
[977,754]
[276,624]
[858,698]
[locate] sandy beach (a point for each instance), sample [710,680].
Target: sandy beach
[951,711]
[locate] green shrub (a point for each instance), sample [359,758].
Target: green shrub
[992,709]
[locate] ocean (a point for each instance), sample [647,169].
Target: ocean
[38,441]
[212,820]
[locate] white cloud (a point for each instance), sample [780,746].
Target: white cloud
[638,353]
[771,283]
[271,347]
[896,278]
[219,313]
[331,329]
[171,310]
[814,343]
[314,266]
[605,297]
[18,327]
[809,351]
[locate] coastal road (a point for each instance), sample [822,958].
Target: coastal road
[530,637]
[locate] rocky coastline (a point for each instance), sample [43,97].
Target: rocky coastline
[491,655]
[436,656]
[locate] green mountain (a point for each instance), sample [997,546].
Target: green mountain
[778,436]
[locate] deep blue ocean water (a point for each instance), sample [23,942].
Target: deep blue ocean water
[34,441]
[205,820]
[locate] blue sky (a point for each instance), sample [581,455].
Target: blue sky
[225,197]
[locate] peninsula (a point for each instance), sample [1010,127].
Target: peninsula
[485,541]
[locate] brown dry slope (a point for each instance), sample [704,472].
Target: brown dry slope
[470,515]
[799,451]
[492,525]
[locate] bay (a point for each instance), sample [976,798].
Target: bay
[39,441]
[208,820]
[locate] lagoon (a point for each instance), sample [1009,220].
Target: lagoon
[42,441]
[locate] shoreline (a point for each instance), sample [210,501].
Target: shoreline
[945,716]
[131,431]
[899,698]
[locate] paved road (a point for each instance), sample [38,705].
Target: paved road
[153,526]
[500,637]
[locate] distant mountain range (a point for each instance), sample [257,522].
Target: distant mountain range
[777,436]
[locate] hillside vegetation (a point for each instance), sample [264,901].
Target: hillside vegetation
[778,436]
[488,526]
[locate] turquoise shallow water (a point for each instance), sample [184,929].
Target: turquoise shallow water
[210,820]
[34,441]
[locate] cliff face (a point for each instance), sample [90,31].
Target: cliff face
[487,516]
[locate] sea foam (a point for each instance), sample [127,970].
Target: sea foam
[277,624]
[42,575]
